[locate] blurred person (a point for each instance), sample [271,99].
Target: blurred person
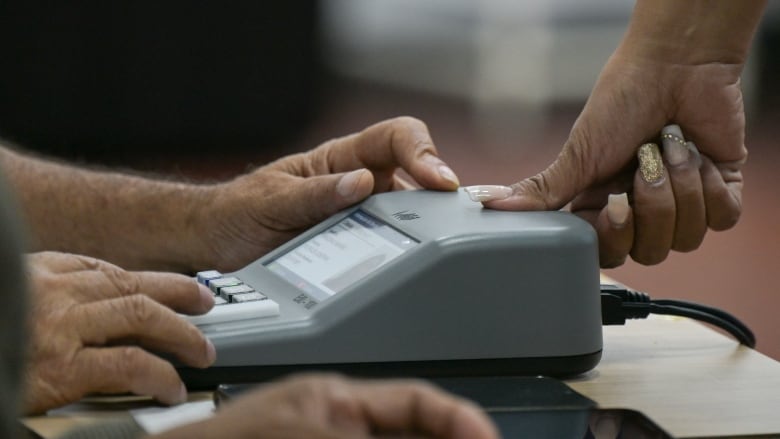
[678,64]
[333,407]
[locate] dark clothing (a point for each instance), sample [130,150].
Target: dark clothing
[12,324]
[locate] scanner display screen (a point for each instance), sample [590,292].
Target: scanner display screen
[338,257]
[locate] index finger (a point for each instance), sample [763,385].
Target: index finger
[394,406]
[403,141]
[176,291]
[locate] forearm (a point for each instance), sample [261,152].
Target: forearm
[694,31]
[135,222]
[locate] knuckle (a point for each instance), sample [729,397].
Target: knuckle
[407,123]
[139,309]
[536,186]
[308,387]
[124,282]
[90,263]
[582,163]
[407,130]
[122,365]
[130,363]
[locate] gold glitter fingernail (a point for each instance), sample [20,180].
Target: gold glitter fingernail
[651,165]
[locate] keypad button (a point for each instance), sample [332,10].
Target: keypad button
[247,297]
[228,292]
[205,276]
[223,282]
[219,300]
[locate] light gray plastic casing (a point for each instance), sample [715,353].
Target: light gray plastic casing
[482,284]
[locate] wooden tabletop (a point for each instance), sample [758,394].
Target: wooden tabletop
[691,380]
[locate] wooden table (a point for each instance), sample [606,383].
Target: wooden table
[691,380]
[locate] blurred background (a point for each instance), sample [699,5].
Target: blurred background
[205,90]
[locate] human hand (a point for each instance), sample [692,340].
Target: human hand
[253,214]
[328,406]
[636,94]
[91,322]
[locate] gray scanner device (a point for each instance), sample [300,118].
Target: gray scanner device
[412,283]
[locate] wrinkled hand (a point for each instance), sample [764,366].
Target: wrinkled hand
[91,323]
[635,96]
[255,213]
[328,406]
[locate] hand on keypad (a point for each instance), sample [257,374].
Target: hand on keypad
[94,327]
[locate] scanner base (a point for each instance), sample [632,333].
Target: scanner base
[559,367]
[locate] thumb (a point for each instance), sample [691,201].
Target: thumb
[313,199]
[551,189]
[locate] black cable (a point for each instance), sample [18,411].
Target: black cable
[710,310]
[701,316]
[619,304]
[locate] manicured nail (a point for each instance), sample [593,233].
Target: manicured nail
[347,186]
[211,352]
[206,296]
[675,149]
[447,174]
[651,166]
[618,209]
[694,151]
[488,192]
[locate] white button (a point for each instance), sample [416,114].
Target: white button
[205,276]
[237,311]
[222,282]
[227,292]
[247,297]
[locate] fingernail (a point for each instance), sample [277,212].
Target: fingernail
[488,192]
[675,149]
[447,174]
[347,186]
[206,296]
[618,209]
[211,352]
[694,151]
[651,166]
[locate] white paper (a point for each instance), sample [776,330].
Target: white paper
[159,419]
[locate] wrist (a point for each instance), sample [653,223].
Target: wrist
[693,32]
[193,246]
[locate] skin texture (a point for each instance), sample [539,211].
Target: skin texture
[261,210]
[329,406]
[139,223]
[93,327]
[679,63]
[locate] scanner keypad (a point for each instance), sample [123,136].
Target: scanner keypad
[233,300]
